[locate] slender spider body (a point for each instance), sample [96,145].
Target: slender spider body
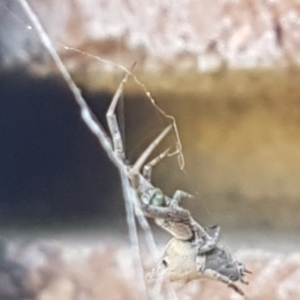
[192,253]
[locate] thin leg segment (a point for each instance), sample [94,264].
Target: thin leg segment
[217,276]
[113,123]
[179,195]
[147,170]
[216,234]
[135,171]
[207,242]
[165,213]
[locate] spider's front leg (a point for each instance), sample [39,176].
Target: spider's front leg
[147,169]
[113,123]
[134,173]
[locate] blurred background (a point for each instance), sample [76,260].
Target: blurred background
[228,71]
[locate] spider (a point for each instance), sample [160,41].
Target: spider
[207,258]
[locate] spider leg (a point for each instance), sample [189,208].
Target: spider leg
[165,212]
[147,169]
[179,195]
[216,228]
[207,247]
[217,276]
[113,123]
[207,242]
[134,173]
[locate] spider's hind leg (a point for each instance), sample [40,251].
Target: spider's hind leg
[113,123]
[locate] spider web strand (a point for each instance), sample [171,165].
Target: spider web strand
[99,132]
[148,94]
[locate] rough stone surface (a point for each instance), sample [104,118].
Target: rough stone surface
[59,272]
[177,36]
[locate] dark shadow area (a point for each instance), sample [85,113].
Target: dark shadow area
[52,168]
